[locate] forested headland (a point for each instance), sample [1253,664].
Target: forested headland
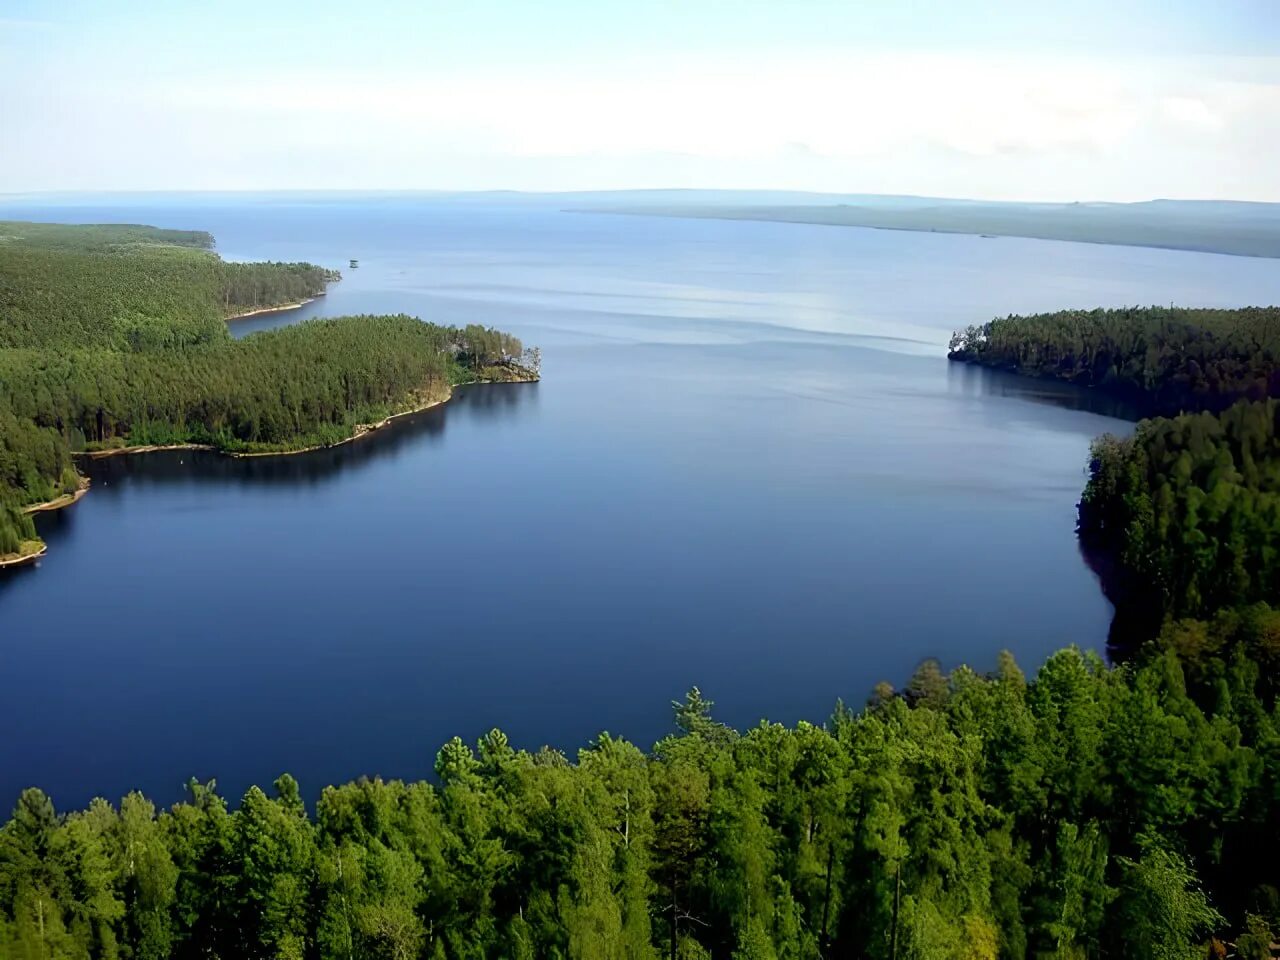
[1182,519]
[115,336]
[1163,359]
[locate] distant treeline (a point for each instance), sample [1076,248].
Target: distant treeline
[1164,359]
[1091,812]
[115,336]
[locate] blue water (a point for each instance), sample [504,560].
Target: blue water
[748,467]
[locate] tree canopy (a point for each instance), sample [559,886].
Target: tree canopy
[1087,811]
[115,335]
[1164,359]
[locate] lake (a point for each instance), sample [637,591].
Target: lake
[748,467]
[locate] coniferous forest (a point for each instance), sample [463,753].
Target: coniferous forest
[1163,359]
[115,335]
[1088,810]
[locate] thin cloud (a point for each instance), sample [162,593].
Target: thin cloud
[1011,126]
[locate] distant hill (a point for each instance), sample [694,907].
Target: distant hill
[1212,226]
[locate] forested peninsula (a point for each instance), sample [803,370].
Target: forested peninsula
[1162,359]
[114,337]
[1210,226]
[1182,519]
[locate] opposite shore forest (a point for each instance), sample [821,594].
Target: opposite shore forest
[114,339]
[1129,809]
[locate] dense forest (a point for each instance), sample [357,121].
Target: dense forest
[1181,519]
[1088,812]
[1163,359]
[116,335]
[1186,514]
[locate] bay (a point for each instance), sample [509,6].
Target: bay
[748,467]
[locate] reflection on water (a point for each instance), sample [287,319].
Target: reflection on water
[110,476]
[968,378]
[480,402]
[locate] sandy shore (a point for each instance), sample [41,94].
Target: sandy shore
[22,560]
[57,503]
[151,448]
[261,310]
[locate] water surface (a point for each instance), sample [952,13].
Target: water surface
[748,467]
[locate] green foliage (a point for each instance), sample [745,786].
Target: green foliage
[114,336]
[1187,512]
[997,816]
[1166,914]
[1166,359]
[1182,519]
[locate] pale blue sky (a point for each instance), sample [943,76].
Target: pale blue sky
[1125,99]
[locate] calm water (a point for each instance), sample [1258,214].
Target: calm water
[748,467]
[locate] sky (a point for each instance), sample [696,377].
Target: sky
[1028,100]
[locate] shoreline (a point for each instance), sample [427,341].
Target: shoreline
[358,431]
[58,503]
[144,448]
[282,308]
[12,560]
[364,429]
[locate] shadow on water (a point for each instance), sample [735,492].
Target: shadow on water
[486,402]
[970,378]
[480,402]
[1135,612]
[54,527]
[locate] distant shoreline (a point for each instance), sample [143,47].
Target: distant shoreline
[1189,238]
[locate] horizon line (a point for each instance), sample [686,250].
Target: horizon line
[488,191]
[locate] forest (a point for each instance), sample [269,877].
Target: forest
[1186,513]
[1163,359]
[115,335]
[1182,518]
[1088,811]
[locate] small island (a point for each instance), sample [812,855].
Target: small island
[115,341]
